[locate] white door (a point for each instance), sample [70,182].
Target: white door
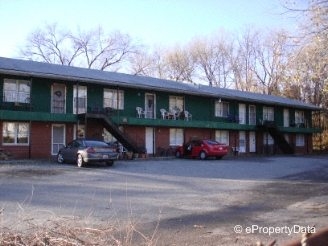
[150,106]
[242,113]
[252,142]
[150,140]
[58,98]
[242,141]
[58,138]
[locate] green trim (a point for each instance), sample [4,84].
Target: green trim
[181,123]
[36,116]
[299,130]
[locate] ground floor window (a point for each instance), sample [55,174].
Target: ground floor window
[267,139]
[300,140]
[176,136]
[222,136]
[79,131]
[15,133]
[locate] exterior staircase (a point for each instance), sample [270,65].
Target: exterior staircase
[128,143]
[277,135]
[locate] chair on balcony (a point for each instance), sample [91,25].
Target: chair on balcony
[140,112]
[187,115]
[164,113]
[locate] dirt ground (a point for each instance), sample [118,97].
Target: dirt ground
[181,202]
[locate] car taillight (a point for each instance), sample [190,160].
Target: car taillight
[90,150]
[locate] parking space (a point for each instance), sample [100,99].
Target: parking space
[188,197]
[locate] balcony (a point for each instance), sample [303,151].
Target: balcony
[179,123]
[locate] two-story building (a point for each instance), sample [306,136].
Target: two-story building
[44,106]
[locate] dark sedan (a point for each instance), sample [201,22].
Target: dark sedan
[202,149]
[83,151]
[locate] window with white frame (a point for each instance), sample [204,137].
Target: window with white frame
[176,102]
[114,99]
[15,90]
[268,113]
[299,117]
[15,133]
[222,136]
[221,109]
[267,139]
[300,141]
[80,99]
[176,136]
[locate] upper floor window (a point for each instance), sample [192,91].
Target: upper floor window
[299,117]
[268,113]
[16,91]
[176,103]
[221,109]
[114,99]
[15,133]
[79,99]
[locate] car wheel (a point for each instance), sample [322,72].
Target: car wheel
[60,158]
[202,155]
[79,160]
[110,163]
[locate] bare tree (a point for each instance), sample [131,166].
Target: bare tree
[243,61]
[92,49]
[271,58]
[211,58]
[180,66]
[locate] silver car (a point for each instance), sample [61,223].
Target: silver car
[82,151]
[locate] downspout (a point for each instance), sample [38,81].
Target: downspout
[30,123]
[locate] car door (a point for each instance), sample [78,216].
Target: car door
[196,148]
[70,151]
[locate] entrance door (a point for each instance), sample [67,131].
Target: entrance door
[150,140]
[58,138]
[150,107]
[252,142]
[242,141]
[58,98]
[242,113]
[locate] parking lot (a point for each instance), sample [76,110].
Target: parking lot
[192,202]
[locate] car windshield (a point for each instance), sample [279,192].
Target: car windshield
[90,143]
[212,142]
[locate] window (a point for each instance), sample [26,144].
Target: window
[114,99]
[16,91]
[15,133]
[299,117]
[300,140]
[80,99]
[267,139]
[268,113]
[222,136]
[221,109]
[176,137]
[176,103]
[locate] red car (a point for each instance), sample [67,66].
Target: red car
[202,149]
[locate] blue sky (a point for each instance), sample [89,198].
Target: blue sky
[151,22]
